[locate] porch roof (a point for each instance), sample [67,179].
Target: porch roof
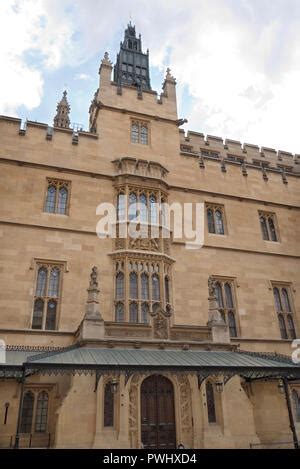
[75,358]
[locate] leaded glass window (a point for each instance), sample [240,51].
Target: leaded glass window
[57,197]
[27,412]
[285,314]
[215,219]
[47,297]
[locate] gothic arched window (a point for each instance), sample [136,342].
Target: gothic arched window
[219,222]
[51,315]
[119,312]
[272,229]
[232,324]
[219,295]
[37,318]
[133,280]
[211,221]
[284,311]
[285,300]
[62,200]
[145,313]
[27,412]
[41,416]
[133,312]
[143,208]
[41,282]
[282,327]
[47,294]
[268,226]
[215,219]
[228,295]
[153,209]
[121,207]
[119,286]
[210,402]
[155,288]
[144,286]
[291,327]
[57,196]
[144,134]
[132,206]
[53,289]
[264,228]
[50,199]
[277,299]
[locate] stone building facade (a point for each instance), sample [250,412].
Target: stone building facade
[145,342]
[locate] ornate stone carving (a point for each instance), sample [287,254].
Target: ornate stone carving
[161,326]
[134,411]
[185,409]
[120,243]
[211,287]
[144,244]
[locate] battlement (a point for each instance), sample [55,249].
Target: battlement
[24,128]
[233,151]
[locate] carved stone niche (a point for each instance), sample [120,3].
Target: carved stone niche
[138,167]
[161,324]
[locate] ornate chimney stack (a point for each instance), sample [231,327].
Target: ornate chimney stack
[92,325]
[219,329]
[62,118]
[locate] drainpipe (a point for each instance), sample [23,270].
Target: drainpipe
[291,417]
[17,440]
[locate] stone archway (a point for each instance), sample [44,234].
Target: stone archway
[158,427]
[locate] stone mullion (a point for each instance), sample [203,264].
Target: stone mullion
[45,298]
[126,193]
[126,290]
[224,300]
[139,296]
[162,286]
[35,393]
[56,196]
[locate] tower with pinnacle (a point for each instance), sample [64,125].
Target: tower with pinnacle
[62,118]
[132,65]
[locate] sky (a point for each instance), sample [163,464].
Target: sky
[236,62]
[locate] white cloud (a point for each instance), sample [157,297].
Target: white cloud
[238,60]
[82,76]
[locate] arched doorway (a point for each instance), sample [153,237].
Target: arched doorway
[158,428]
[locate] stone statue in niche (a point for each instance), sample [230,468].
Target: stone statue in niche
[161,325]
[94,278]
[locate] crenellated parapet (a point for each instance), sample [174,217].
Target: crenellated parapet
[234,152]
[23,129]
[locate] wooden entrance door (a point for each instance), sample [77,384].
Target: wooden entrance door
[157,413]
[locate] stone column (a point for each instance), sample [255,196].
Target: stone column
[197,411]
[123,436]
